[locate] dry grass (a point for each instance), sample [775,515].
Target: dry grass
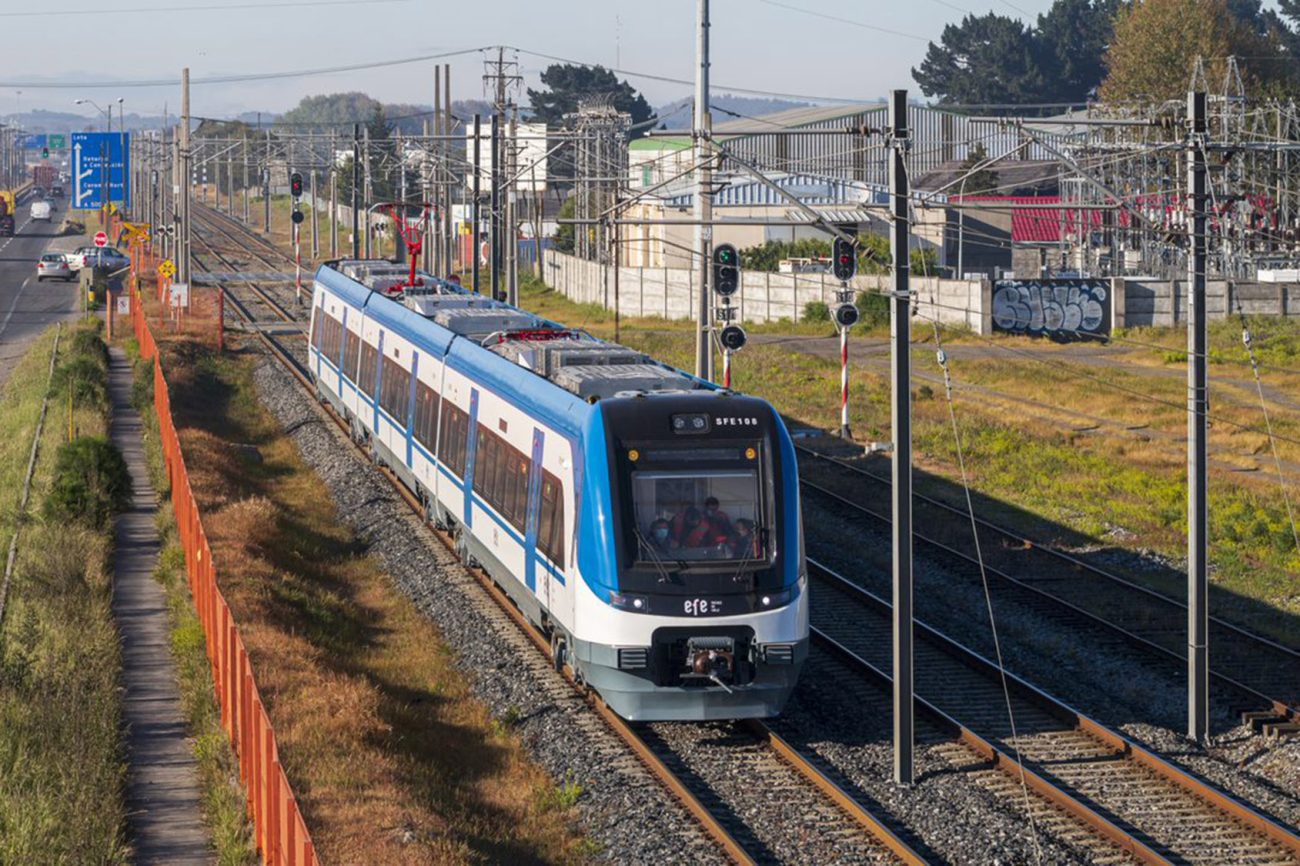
[392,758]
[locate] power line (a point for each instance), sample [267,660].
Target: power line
[839,20]
[206,8]
[234,79]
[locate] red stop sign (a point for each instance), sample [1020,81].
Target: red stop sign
[101,239]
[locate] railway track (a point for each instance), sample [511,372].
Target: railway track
[741,782]
[1262,675]
[720,772]
[1144,806]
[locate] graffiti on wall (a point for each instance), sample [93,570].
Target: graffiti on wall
[1060,309]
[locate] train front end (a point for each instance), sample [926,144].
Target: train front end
[693,598]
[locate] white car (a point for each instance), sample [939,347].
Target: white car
[54,265]
[40,211]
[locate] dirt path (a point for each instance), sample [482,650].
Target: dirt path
[163,796]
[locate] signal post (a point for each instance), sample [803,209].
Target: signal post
[726,282]
[844,265]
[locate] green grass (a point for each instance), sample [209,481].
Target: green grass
[62,771]
[1089,484]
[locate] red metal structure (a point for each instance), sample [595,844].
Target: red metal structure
[413,235]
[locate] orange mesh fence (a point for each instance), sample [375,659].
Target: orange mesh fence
[281,833]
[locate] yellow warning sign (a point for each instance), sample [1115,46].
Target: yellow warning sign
[166,268]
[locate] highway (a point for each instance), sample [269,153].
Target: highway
[26,306]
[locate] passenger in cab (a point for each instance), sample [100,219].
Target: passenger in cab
[717,518]
[743,543]
[697,531]
[661,540]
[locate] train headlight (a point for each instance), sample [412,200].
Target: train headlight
[688,424]
[770,600]
[628,602]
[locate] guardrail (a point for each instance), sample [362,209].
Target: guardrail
[281,834]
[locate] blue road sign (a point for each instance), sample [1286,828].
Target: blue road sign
[31,142]
[100,160]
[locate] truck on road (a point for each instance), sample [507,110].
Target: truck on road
[7,205]
[45,175]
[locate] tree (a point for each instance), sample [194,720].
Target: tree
[982,180]
[995,59]
[1157,42]
[564,232]
[569,85]
[1071,41]
[985,59]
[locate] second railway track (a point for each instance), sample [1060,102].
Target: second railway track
[1263,674]
[1160,814]
[760,799]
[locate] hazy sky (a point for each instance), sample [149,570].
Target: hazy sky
[761,44]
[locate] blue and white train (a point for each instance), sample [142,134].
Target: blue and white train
[646,520]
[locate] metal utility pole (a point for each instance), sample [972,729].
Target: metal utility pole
[901,417]
[512,213]
[474,207]
[1198,683]
[247,219]
[494,209]
[315,227]
[266,183]
[183,263]
[356,183]
[703,209]
[433,257]
[448,239]
[367,195]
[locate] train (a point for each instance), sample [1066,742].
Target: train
[645,520]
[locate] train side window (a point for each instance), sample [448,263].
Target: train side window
[316,327]
[501,477]
[330,338]
[351,353]
[550,526]
[369,366]
[426,419]
[395,390]
[454,436]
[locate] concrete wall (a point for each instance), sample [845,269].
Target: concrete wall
[763,297]
[1163,303]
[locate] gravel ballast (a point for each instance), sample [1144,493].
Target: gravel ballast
[952,815]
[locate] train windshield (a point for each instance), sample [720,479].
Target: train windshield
[691,516]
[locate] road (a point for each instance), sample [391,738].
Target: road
[26,306]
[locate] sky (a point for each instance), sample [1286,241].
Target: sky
[786,46]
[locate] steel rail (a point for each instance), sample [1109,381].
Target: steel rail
[1058,554]
[636,744]
[1279,707]
[1127,749]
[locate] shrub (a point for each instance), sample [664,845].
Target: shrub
[874,308]
[81,377]
[91,482]
[816,311]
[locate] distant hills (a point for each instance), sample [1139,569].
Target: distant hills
[336,110]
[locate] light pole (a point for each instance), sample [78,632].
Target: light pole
[121,148]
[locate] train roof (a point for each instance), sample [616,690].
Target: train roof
[511,348]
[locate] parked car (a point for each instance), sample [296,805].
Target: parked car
[54,265]
[93,256]
[105,257]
